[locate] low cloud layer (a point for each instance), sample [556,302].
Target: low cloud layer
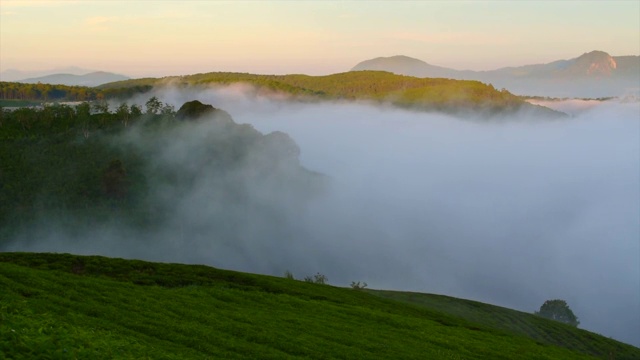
[509,213]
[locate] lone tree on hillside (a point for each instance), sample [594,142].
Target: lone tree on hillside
[558,310]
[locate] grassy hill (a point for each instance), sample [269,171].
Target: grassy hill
[425,94]
[60,306]
[461,97]
[535,327]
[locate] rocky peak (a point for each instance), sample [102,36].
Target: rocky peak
[595,63]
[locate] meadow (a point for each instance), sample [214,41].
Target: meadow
[62,306]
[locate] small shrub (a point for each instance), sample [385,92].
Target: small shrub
[317,279]
[288,275]
[358,285]
[320,279]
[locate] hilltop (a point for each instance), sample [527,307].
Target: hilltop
[68,306]
[459,97]
[592,74]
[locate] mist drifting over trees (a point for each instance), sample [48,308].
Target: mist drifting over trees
[510,212]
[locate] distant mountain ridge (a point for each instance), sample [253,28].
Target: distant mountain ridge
[18,75]
[92,79]
[593,74]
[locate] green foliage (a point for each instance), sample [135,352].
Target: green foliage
[114,180]
[167,110]
[358,285]
[101,107]
[47,92]
[153,105]
[136,111]
[427,94]
[558,310]
[288,275]
[66,306]
[317,279]
[194,110]
[536,327]
[60,160]
[123,113]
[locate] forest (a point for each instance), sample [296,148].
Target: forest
[96,165]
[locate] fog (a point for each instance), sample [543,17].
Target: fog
[510,213]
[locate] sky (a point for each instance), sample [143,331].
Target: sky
[157,38]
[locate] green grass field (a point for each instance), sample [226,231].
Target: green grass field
[60,306]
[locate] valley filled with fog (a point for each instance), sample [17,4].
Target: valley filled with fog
[510,212]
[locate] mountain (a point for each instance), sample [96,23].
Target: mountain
[595,64]
[92,79]
[593,74]
[17,75]
[405,65]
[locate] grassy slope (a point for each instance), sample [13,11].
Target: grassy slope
[509,320]
[66,306]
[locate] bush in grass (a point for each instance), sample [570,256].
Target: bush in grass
[358,285]
[317,279]
[558,310]
[288,275]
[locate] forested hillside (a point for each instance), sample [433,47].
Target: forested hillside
[83,165]
[47,92]
[430,94]
[425,94]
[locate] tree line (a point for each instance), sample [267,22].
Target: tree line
[51,92]
[85,117]
[47,92]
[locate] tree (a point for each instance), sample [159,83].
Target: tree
[558,310]
[136,111]
[101,107]
[123,113]
[153,105]
[83,114]
[83,110]
[168,110]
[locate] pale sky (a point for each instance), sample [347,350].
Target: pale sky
[155,38]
